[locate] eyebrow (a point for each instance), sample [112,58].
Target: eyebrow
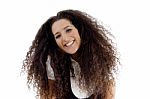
[67,27]
[63,28]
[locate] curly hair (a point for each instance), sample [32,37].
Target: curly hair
[97,57]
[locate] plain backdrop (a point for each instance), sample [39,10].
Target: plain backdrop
[128,20]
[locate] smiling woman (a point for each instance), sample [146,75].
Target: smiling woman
[66,36]
[72,58]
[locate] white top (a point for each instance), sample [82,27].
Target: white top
[78,92]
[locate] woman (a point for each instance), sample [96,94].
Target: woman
[72,57]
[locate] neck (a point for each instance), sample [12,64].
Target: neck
[74,56]
[77,55]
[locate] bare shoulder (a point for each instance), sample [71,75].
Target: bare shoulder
[111,92]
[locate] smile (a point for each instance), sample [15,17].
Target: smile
[69,43]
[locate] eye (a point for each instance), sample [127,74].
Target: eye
[68,30]
[57,36]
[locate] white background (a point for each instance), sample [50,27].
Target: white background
[129,21]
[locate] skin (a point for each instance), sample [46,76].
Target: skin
[66,36]
[111,94]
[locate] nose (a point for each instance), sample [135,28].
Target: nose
[65,37]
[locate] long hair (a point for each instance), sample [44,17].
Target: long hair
[97,57]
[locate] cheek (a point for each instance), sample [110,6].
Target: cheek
[58,42]
[78,38]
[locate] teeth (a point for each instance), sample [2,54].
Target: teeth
[68,44]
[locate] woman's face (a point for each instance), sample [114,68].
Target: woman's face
[66,36]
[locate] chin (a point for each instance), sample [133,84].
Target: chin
[71,52]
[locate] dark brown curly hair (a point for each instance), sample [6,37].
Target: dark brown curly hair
[97,57]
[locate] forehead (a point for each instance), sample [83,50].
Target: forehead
[60,25]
